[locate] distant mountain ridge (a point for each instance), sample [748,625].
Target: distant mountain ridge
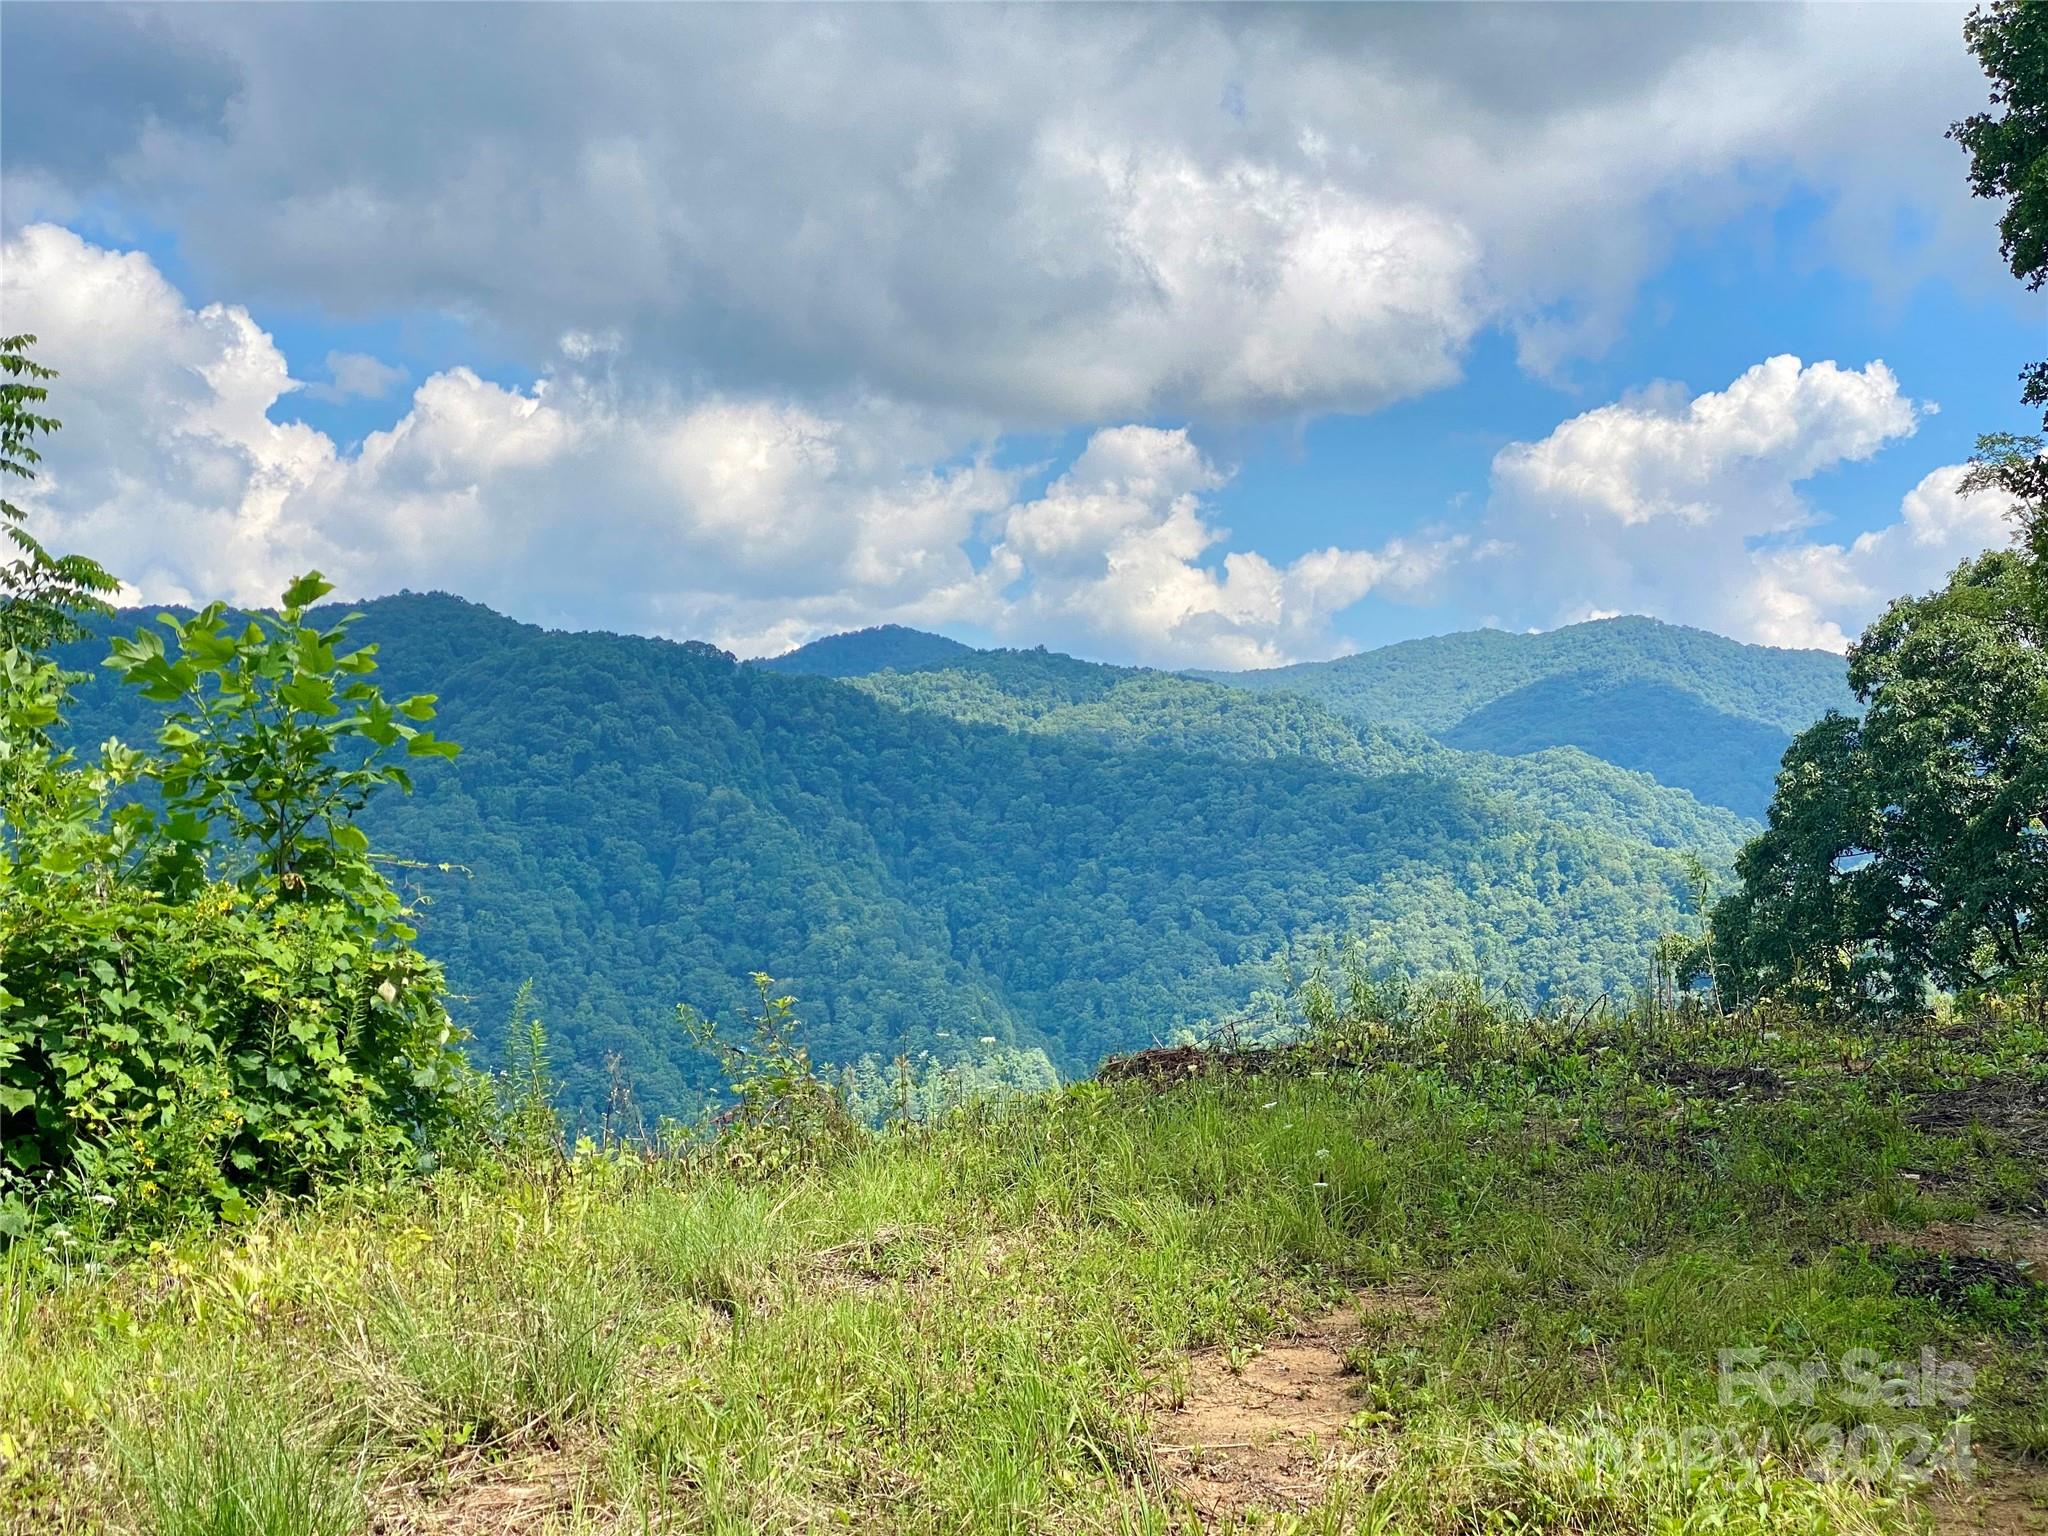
[860,651]
[1653,727]
[1694,710]
[1019,852]
[1045,693]
[1437,681]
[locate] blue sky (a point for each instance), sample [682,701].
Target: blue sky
[1180,336]
[1740,294]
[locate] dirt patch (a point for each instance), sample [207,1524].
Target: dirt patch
[1164,1065]
[1958,1279]
[1264,1429]
[886,1256]
[1711,1080]
[1178,1063]
[2018,1240]
[1998,1501]
[480,1496]
[2013,1106]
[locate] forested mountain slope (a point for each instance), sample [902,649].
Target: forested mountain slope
[1437,681]
[1693,709]
[1025,850]
[1658,728]
[868,650]
[1127,708]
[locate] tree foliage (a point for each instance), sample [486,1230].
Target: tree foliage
[40,593]
[858,652]
[1909,850]
[2008,147]
[275,739]
[206,986]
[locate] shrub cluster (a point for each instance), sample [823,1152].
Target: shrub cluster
[165,1057]
[208,989]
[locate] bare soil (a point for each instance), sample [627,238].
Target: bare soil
[1999,1501]
[1177,1063]
[1714,1080]
[2019,1241]
[478,1495]
[888,1256]
[2014,1106]
[1264,1430]
[1951,1278]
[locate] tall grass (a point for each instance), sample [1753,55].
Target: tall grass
[219,1461]
[974,1323]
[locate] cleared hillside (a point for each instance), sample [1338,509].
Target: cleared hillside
[1451,1272]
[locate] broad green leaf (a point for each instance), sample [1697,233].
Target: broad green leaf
[308,589]
[314,695]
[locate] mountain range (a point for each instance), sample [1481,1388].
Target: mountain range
[1692,709]
[1019,856]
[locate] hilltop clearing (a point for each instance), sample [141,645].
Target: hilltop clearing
[1447,1271]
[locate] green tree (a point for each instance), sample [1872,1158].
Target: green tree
[41,594]
[2008,147]
[2015,466]
[1909,847]
[276,740]
[50,808]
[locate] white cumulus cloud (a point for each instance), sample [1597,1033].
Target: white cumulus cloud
[754,521]
[1053,216]
[357,376]
[1115,549]
[1691,508]
[1821,595]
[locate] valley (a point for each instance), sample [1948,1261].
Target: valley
[1014,862]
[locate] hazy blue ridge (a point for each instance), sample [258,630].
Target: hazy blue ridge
[1697,711]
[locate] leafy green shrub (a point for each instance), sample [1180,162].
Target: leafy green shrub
[171,1054]
[207,987]
[785,1114]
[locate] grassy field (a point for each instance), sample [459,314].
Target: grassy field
[1453,1273]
